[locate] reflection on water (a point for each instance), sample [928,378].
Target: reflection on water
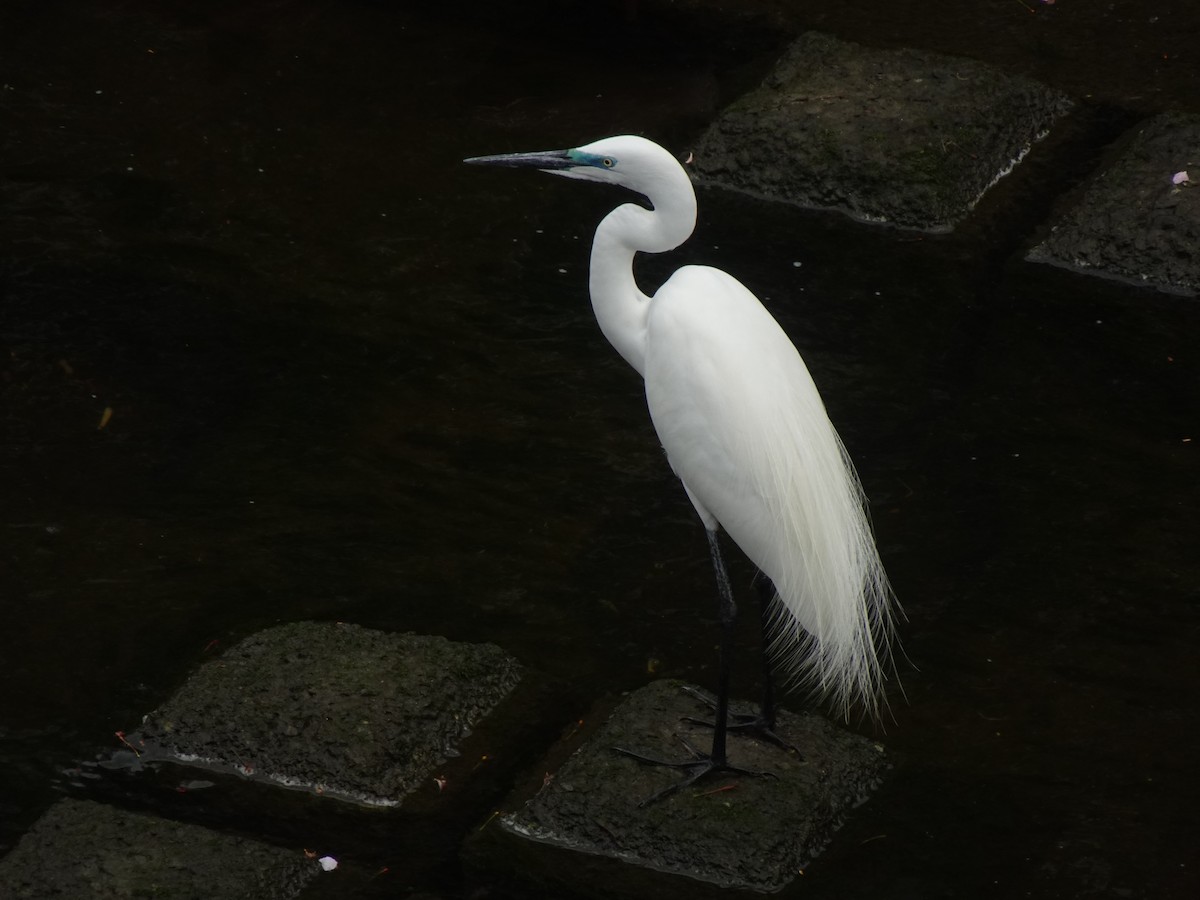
[350,378]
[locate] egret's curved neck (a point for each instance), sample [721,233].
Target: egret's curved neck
[620,306]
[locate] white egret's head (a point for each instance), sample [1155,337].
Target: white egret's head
[627,160]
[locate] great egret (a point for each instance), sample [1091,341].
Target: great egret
[746,432]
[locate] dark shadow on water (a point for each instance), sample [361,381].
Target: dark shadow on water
[348,378]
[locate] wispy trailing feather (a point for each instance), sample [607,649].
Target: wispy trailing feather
[746,430]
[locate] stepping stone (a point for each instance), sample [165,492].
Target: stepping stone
[582,830]
[344,711]
[894,136]
[1139,218]
[80,849]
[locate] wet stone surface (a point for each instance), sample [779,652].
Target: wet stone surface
[904,137]
[1139,218]
[725,832]
[80,849]
[353,713]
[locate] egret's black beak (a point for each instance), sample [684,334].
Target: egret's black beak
[546,160]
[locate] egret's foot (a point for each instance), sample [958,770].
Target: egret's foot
[754,725]
[699,766]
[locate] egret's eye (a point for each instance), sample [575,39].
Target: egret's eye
[608,162]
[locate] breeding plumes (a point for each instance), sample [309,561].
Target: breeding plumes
[745,430]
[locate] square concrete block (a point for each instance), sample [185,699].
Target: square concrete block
[342,710]
[1138,220]
[584,833]
[902,137]
[82,850]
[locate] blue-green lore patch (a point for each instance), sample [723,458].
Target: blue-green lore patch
[592,159]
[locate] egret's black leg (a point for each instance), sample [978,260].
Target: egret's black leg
[765,588]
[763,724]
[726,616]
[716,760]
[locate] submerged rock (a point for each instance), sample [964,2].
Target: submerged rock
[343,710]
[1139,219]
[584,833]
[903,137]
[80,849]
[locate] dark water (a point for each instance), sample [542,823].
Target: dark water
[350,378]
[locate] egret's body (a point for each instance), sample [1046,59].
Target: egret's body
[746,432]
[743,427]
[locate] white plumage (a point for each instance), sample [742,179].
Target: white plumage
[742,424]
[746,432]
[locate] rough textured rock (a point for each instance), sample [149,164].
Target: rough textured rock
[898,136]
[89,851]
[1133,221]
[727,832]
[350,712]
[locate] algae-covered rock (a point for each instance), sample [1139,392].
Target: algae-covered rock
[80,850]
[726,832]
[1139,218]
[350,712]
[905,137]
